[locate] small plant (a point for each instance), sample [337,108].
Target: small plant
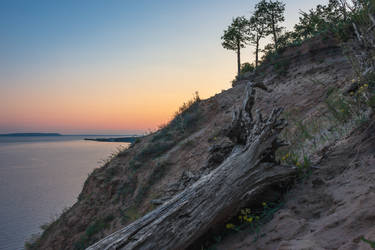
[253,220]
[248,219]
[339,108]
[119,150]
[304,130]
[290,158]
[185,120]
[303,163]
[94,228]
[371,243]
[33,242]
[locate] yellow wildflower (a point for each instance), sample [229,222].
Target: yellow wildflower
[351,93]
[257,217]
[240,218]
[229,226]
[264,204]
[248,210]
[250,219]
[365,85]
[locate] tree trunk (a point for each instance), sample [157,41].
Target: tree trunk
[249,171]
[343,6]
[274,34]
[257,52]
[238,59]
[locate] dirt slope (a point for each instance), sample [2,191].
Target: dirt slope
[333,209]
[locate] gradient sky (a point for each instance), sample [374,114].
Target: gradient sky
[111,67]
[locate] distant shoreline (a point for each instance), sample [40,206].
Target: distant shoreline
[31,134]
[118,139]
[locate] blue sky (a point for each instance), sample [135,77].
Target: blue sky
[64,63]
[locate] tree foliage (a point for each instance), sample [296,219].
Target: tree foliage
[336,19]
[236,36]
[257,28]
[274,11]
[321,19]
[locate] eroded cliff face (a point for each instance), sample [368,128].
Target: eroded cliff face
[309,86]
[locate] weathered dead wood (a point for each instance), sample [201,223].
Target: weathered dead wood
[248,171]
[372,18]
[359,37]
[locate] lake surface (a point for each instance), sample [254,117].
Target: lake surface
[39,177]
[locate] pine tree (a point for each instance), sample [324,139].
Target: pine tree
[235,37]
[274,11]
[258,28]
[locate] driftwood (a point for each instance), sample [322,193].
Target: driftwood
[248,171]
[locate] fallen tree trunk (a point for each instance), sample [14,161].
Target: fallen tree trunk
[249,170]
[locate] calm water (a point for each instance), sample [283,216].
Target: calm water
[39,177]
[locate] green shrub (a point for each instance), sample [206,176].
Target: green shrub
[281,66]
[369,242]
[185,120]
[247,67]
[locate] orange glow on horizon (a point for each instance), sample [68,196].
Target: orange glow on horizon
[115,106]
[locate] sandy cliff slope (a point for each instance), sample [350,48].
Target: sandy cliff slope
[331,209]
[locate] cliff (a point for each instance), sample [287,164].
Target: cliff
[329,135]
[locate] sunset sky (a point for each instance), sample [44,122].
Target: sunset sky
[113,67]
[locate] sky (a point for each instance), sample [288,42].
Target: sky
[114,67]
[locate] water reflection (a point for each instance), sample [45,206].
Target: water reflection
[39,179]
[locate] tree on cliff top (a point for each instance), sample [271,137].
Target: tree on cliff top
[236,36]
[258,28]
[274,12]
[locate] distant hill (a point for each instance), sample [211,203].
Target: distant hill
[31,134]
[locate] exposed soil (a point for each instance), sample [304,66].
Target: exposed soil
[332,209]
